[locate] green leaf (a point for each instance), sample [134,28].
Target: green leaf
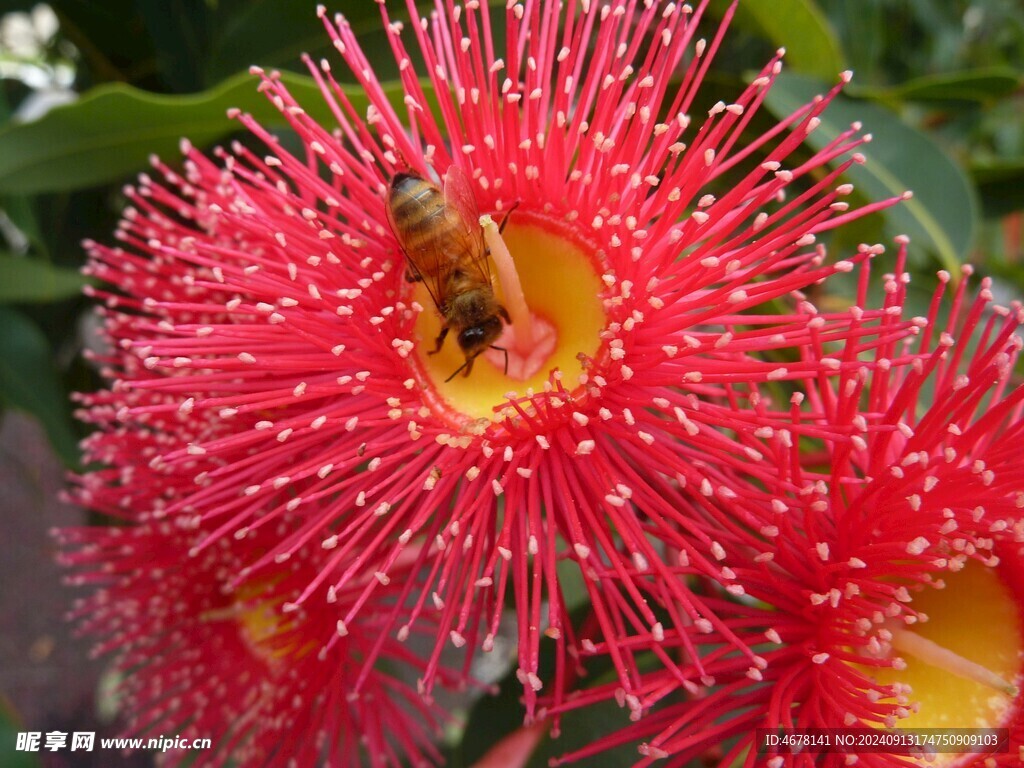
[10,726]
[29,382]
[583,727]
[20,210]
[942,215]
[801,28]
[493,718]
[24,280]
[490,720]
[113,129]
[862,33]
[975,85]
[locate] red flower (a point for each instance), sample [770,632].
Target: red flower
[260,308]
[894,546]
[201,652]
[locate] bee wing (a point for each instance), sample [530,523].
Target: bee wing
[462,209]
[429,260]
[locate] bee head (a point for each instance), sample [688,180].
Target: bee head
[477,338]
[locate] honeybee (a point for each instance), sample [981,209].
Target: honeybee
[443,243]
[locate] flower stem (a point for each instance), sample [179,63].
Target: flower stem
[932,653]
[511,288]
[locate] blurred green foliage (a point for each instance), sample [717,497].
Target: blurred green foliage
[10,727]
[937,82]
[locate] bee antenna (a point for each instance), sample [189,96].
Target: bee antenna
[501,228]
[502,349]
[457,370]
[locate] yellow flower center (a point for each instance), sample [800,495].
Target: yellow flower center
[267,630]
[963,663]
[562,289]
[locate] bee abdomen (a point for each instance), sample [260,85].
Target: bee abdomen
[418,210]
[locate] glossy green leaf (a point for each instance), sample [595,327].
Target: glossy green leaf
[800,27]
[941,217]
[25,280]
[976,85]
[113,129]
[28,382]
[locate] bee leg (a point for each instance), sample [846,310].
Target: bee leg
[413,277]
[467,366]
[504,316]
[504,221]
[440,342]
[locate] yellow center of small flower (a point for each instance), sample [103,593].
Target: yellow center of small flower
[963,664]
[262,624]
[561,286]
